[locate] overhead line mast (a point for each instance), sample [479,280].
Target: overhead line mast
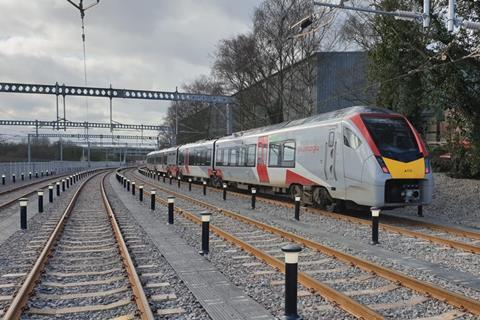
[82,10]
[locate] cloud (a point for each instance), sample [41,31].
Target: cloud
[147,44]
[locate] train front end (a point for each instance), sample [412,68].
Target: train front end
[399,169]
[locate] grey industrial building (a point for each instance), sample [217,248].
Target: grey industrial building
[337,80]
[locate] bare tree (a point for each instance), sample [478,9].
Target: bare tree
[196,120]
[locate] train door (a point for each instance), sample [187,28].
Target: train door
[262,153]
[333,163]
[353,162]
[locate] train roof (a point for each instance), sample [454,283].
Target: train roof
[161,151]
[198,143]
[337,114]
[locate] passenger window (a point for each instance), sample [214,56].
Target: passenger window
[242,157]
[233,157]
[274,155]
[288,154]
[350,139]
[251,155]
[209,157]
[289,151]
[220,157]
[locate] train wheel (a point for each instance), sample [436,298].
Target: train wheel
[217,182]
[322,199]
[296,191]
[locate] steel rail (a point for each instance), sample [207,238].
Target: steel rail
[137,287]
[436,227]
[20,300]
[391,228]
[426,288]
[343,301]
[9,202]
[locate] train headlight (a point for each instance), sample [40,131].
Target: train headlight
[427,166]
[382,164]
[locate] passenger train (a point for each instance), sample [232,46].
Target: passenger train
[358,156]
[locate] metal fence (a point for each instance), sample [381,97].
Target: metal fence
[17,168]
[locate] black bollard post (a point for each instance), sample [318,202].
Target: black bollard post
[124,183]
[68,183]
[58,189]
[420,211]
[40,201]
[36,174]
[3,179]
[30,175]
[63,185]
[204,188]
[23,213]
[179,181]
[189,184]
[41,173]
[375,218]
[254,197]
[205,232]
[14,178]
[224,191]
[133,188]
[171,203]
[152,199]
[140,193]
[163,175]
[50,193]
[128,185]
[23,176]
[291,277]
[158,176]
[297,207]
[171,177]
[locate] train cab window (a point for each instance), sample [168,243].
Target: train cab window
[274,155]
[350,139]
[251,148]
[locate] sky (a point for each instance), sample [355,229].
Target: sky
[147,44]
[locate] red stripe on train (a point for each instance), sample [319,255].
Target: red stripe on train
[292,177]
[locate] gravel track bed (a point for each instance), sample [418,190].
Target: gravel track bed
[153,268]
[39,184]
[276,216]
[450,258]
[59,286]
[19,251]
[454,201]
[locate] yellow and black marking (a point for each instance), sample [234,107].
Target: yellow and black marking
[406,170]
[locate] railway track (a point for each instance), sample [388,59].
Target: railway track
[84,265]
[461,239]
[11,196]
[345,273]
